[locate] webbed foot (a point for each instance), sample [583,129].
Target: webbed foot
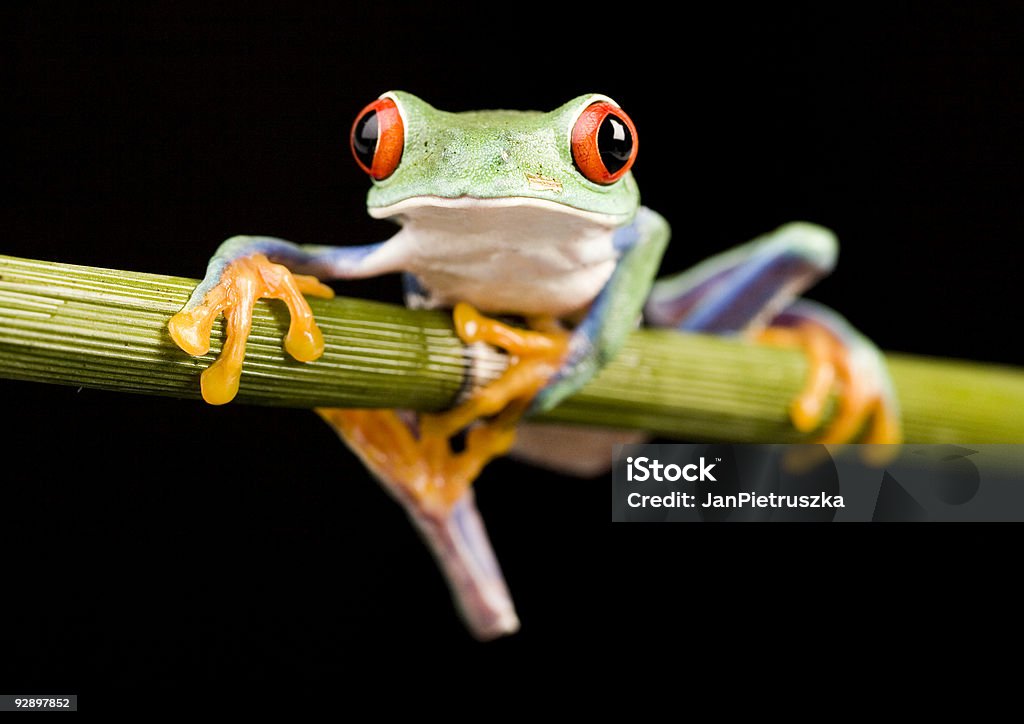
[852,368]
[234,294]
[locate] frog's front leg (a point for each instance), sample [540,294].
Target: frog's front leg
[753,290]
[247,268]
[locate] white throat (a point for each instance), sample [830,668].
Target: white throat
[512,255]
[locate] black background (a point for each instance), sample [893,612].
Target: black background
[140,137]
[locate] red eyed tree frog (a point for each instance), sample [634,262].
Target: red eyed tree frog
[537,216]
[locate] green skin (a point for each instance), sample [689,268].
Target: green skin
[488,154]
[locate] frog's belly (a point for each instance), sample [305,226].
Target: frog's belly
[512,288]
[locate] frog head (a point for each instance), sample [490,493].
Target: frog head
[573,161]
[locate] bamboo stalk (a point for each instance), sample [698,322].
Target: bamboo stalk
[106,328]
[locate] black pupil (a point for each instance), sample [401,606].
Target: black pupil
[614,143]
[364,140]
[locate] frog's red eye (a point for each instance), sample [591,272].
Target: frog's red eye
[378,136]
[604,143]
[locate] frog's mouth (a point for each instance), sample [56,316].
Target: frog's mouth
[522,207]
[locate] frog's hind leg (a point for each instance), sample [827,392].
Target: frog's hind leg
[839,353]
[415,459]
[753,290]
[582,452]
[436,496]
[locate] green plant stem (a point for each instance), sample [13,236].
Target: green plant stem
[106,328]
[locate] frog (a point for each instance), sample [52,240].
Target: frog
[528,226]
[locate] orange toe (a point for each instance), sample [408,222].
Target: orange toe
[244,281]
[861,407]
